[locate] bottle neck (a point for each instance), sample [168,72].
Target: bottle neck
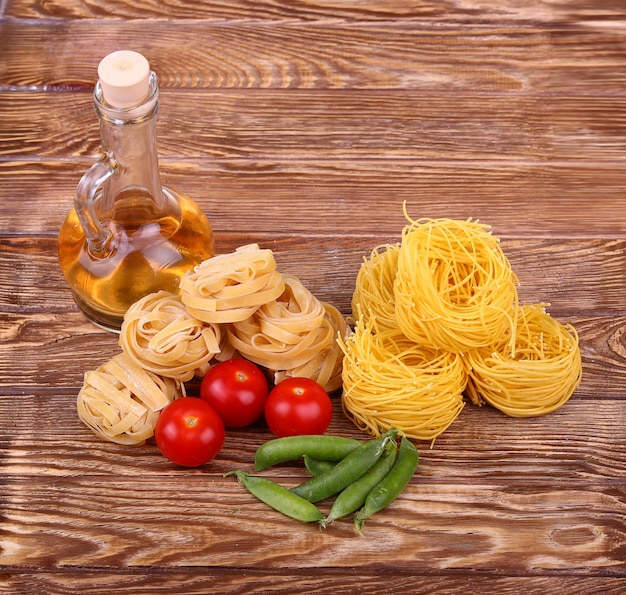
[129,141]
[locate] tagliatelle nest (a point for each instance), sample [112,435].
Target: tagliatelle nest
[231,287]
[326,365]
[162,337]
[294,335]
[120,401]
[231,305]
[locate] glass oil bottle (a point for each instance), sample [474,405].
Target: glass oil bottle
[127,235]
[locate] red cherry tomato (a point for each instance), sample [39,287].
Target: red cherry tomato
[237,390]
[298,406]
[189,432]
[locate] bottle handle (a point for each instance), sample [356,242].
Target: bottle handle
[96,234]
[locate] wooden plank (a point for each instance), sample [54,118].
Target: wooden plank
[259,581]
[62,338]
[429,11]
[264,198]
[482,446]
[549,271]
[213,523]
[510,58]
[272,124]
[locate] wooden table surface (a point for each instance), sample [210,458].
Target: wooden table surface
[303,126]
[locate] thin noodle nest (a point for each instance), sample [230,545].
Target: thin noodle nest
[448,290]
[390,381]
[535,377]
[454,287]
[120,401]
[374,288]
[162,337]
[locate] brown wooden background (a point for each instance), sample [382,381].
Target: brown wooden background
[303,126]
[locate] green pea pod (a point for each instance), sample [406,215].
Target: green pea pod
[317,467]
[346,471]
[391,486]
[279,497]
[290,448]
[353,496]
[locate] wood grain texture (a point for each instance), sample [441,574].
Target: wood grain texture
[605,12]
[585,453]
[508,58]
[91,522]
[304,127]
[360,198]
[231,127]
[190,582]
[549,271]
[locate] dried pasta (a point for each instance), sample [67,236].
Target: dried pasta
[287,333]
[227,351]
[231,287]
[454,287]
[231,305]
[325,366]
[390,381]
[537,376]
[373,293]
[448,291]
[162,337]
[120,401]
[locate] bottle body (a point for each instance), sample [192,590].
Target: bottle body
[148,252]
[127,235]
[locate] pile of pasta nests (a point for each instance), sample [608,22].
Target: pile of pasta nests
[231,305]
[437,320]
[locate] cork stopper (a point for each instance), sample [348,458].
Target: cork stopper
[124,78]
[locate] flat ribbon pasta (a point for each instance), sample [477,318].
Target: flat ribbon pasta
[390,381]
[120,401]
[231,287]
[535,377]
[227,351]
[454,287]
[293,336]
[161,336]
[325,366]
[286,332]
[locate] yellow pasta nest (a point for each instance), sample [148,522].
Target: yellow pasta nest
[448,290]
[454,288]
[293,334]
[160,335]
[120,401]
[231,287]
[374,287]
[537,376]
[390,381]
